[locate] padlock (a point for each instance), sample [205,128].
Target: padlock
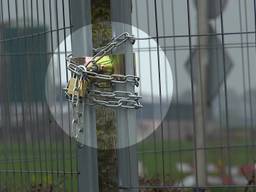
[82,85]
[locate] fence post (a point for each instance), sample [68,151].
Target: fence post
[126,119]
[82,45]
[201,94]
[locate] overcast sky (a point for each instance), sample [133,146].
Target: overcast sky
[168,19]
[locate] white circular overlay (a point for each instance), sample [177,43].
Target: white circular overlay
[156,89]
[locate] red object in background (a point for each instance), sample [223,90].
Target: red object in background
[248,171]
[227,180]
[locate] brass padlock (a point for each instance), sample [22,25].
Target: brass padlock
[81,84]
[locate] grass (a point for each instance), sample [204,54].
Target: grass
[26,166]
[56,158]
[157,164]
[151,153]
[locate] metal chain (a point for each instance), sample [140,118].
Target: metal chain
[122,99]
[77,114]
[88,72]
[114,78]
[115,42]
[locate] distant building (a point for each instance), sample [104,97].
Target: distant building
[24,59]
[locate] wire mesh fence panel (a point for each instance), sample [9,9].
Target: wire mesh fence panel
[196,63]
[212,63]
[36,155]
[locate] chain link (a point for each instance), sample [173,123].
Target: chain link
[123,99]
[77,114]
[115,42]
[95,95]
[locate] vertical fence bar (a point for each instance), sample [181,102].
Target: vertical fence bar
[201,87]
[126,119]
[82,45]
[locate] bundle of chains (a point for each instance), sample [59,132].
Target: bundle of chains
[93,83]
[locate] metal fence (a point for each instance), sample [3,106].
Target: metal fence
[196,60]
